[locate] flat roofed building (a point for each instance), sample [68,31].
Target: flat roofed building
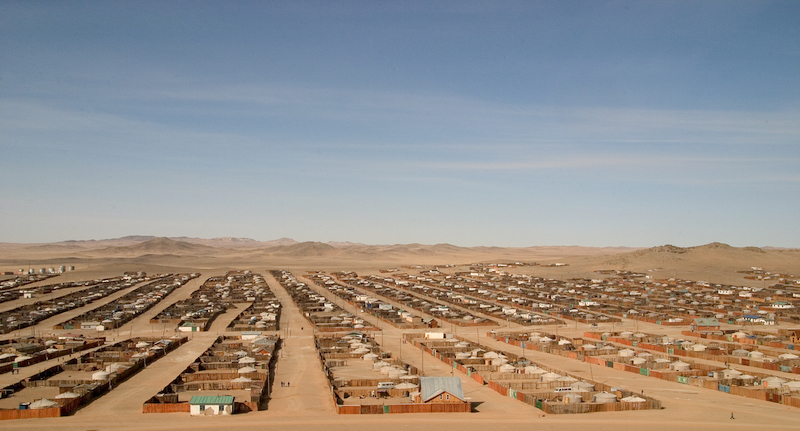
[211,405]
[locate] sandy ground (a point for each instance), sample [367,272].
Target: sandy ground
[308,404]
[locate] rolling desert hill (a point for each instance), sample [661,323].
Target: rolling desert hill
[715,262]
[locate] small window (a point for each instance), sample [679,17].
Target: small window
[448,396]
[202,407]
[440,396]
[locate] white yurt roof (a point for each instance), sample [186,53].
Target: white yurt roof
[792,384]
[506,368]
[563,342]
[245,370]
[491,355]
[626,353]
[633,399]
[589,346]
[756,354]
[44,403]
[532,369]
[788,356]
[462,344]
[100,375]
[240,353]
[583,386]
[52,350]
[379,364]
[67,395]
[7,355]
[360,351]
[462,355]
[21,358]
[116,367]
[241,380]
[604,397]
[369,357]
[141,344]
[247,360]
[387,369]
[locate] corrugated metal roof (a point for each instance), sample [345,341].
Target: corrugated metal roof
[433,386]
[706,321]
[211,399]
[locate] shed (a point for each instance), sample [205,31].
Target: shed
[211,405]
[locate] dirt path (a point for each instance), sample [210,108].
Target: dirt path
[307,389]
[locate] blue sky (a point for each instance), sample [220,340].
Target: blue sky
[472,123]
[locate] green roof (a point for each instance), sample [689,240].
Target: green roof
[210,399]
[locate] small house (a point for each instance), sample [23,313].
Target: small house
[211,405]
[705,325]
[440,390]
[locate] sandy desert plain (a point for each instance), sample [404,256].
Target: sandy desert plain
[307,403]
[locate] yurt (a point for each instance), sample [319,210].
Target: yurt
[604,397]
[638,361]
[572,398]
[564,342]
[532,369]
[369,357]
[582,387]
[698,348]
[44,403]
[66,395]
[567,379]
[550,377]
[633,399]
[380,364]
[499,361]
[740,352]
[788,356]
[679,366]
[626,353]
[755,354]
[507,368]
[246,370]
[100,375]
[772,382]
[116,367]
[732,374]
[491,355]
[247,360]
[463,355]
[792,385]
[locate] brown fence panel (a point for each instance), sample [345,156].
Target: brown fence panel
[167,408]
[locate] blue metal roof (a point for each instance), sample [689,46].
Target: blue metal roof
[431,387]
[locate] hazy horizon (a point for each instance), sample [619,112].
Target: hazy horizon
[471,123]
